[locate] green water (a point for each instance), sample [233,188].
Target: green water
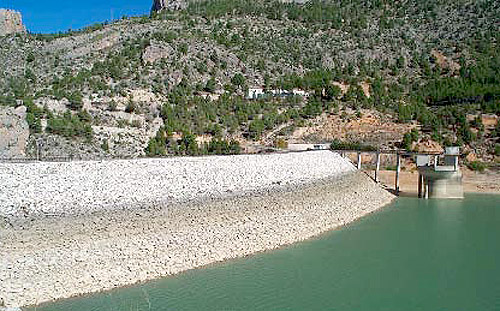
[412,255]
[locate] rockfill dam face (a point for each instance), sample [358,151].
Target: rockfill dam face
[83,227]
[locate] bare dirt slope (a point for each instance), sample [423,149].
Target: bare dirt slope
[369,126]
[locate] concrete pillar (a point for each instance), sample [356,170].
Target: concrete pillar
[436,161]
[420,178]
[359,160]
[426,189]
[456,163]
[398,170]
[377,167]
[38,149]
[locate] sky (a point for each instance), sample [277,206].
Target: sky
[49,16]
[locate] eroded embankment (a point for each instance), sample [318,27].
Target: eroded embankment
[49,258]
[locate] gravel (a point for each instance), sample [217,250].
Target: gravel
[73,188]
[293,197]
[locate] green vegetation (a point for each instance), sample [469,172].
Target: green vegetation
[161,145]
[391,168]
[131,106]
[226,116]
[75,101]
[220,146]
[238,80]
[391,48]
[343,145]
[477,166]
[105,146]
[157,145]
[33,116]
[280,143]
[70,125]
[409,138]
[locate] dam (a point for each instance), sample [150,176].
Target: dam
[439,175]
[72,228]
[442,181]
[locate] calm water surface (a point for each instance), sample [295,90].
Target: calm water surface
[412,255]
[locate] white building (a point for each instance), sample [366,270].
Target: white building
[299,92]
[255,93]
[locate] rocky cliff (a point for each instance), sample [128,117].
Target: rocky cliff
[161,5]
[14,132]
[11,22]
[108,89]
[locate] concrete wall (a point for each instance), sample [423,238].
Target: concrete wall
[444,185]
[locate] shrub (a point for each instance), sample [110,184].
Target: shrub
[210,85]
[477,166]
[33,117]
[188,144]
[75,101]
[183,48]
[105,146]
[256,128]
[112,106]
[281,143]
[332,91]
[30,57]
[69,125]
[221,146]
[131,106]
[84,116]
[409,138]
[238,80]
[34,123]
[157,145]
[342,145]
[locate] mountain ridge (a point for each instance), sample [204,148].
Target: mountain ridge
[137,73]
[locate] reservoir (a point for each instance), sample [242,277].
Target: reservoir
[411,255]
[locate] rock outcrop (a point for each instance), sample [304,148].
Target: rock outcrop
[11,22]
[161,5]
[14,132]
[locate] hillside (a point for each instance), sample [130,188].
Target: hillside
[175,82]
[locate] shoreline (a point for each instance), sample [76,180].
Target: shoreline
[220,262]
[50,258]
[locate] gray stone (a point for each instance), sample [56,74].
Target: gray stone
[14,132]
[159,5]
